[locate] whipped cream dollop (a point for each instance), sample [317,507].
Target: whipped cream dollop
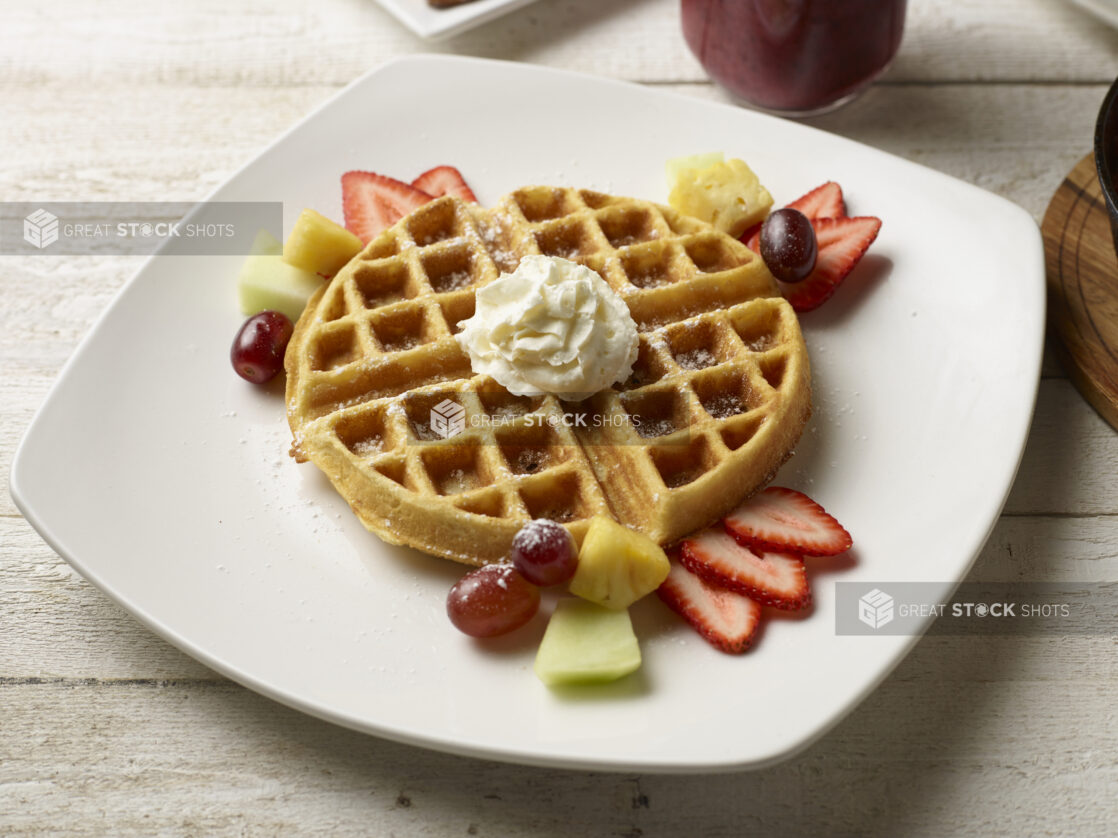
[551,326]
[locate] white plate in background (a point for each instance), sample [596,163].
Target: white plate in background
[437,24]
[164,479]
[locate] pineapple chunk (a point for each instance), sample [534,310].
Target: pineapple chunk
[617,566]
[727,195]
[677,165]
[586,644]
[318,245]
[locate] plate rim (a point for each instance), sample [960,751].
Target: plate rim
[463,746]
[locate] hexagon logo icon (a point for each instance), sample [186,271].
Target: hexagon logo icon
[448,419]
[875,609]
[40,229]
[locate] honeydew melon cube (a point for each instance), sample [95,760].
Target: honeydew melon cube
[266,282]
[265,244]
[585,644]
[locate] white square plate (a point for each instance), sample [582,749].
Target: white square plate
[437,24]
[164,479]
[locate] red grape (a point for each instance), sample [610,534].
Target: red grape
[788,245]
[544,552]
[492,600]
[258,348]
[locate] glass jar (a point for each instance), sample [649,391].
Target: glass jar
[794,57]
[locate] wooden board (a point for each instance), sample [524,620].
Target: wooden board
[1083,287]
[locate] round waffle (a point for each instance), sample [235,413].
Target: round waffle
[383,400]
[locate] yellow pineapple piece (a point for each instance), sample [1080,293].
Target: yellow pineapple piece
[678,165]
[319,245]
[726,194]
[617,565]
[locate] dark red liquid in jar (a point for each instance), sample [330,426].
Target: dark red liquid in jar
[793,55]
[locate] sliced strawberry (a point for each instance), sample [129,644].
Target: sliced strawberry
[444,180]
[824,201]
[726,619]
[751,238]
[842,243]
[777,579]
[821,202]
[784,519]
[373,202]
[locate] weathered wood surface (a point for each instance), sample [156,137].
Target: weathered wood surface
[105,729]
[270,43]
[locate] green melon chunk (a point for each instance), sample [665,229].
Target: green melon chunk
[266,244]
[267,282]
[586,643]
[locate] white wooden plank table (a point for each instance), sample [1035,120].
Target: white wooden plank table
[107,730]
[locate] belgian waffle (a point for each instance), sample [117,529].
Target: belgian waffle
[383,400]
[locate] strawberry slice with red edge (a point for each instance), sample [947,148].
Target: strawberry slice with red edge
[444,180]
[824,201]
[784,519]
[842,244]
[373,203]
[772,578]
[751,238]
[726,619]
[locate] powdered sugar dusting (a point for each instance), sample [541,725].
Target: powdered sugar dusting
[724,405]
[654,427]
[456,480]
[454,281]
[492,237]
[571,252]
[422,430]
[398,343]
[537,535]
[696,359]
[508,410]
[368,447]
